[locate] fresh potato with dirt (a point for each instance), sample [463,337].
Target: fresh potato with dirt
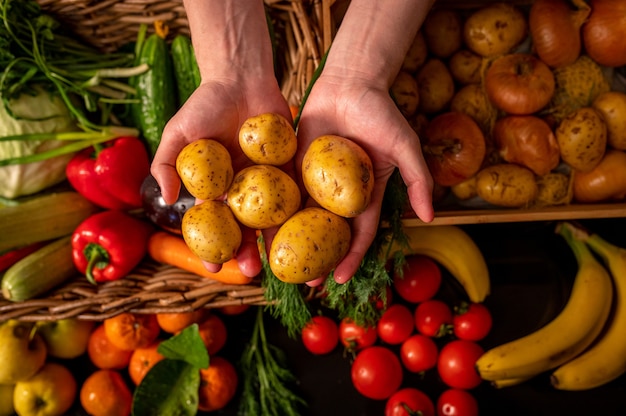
[436,86]
[268,139]
[309,245]
[506,185]
[443,31]
[263,196]
[338,174]
[211,231]
[416,55]
[495,29]
[466,67]
[405,93]
[582,139]
[205,168]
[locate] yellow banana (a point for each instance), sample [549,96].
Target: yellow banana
[577,325]
[605,360]
[455,250]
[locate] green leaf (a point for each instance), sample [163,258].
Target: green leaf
[186,346]
[169,388]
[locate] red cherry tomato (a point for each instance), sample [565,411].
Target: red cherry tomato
[409,401]
[321,335]
[457,364]
[420,280]
[471,321]
[456,402]
[432,318]
[355,337]
[395,324]
[376,372]
[419,353]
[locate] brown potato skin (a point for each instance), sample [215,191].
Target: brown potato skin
[211,231]
[205,168]
[268,139]
[507,185]
[309,245]
[582,139]
[263,196]
[338,174]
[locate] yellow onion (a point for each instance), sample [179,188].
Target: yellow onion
[527,141]
[454,148]
[519,83]
[605,31]
[555,30]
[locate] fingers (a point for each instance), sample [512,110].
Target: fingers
[418,180]
[248,258]
[163,166]
[364,228]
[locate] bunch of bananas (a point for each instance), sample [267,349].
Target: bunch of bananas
[585,344]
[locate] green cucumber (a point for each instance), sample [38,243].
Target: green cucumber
[39,272]
[186,71]
[156,100]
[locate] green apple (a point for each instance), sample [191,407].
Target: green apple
[6,399]
[50,392]
[22,351]
[66,338]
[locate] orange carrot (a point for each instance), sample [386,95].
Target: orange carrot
[170,249]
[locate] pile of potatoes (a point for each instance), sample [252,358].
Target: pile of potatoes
[336,173]
[446,70]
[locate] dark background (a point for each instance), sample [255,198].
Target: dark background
[531,270]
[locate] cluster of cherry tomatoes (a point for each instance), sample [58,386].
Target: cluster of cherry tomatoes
[418,333]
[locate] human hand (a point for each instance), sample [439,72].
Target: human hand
[364,112]
[216,110]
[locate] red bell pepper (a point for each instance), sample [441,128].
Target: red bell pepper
[109,244]
[110,176]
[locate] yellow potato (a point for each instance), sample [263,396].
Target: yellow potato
[309,245]
[435,85]
[416,55]
[263,196]
[211,231]
[495,29]
[466,67]
[338,174]
[465,190]
[506,185]
[205,168]
[268,139]
[405,93]
[582,138]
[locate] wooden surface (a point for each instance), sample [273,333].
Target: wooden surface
[484,216]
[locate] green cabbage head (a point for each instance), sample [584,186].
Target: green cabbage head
[40,113]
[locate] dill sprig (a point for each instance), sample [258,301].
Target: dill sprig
[355,298]
[286,301]
[266,382]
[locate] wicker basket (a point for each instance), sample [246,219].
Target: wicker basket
[150,288]
[303,29]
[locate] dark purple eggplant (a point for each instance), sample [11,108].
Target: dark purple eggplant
[163,215]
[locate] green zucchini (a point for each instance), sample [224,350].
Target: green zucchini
[186,71]
[40,271]
[42,218]
[156,100]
